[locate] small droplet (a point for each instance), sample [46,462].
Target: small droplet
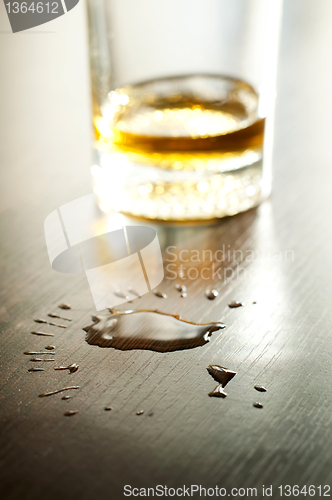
[37,360]
[235,303]
[218,392]
[180,288]
[260,388]
[72,368]
[34,353]
[254,302]
[57,391]
[44,334]
[133,291]
[36,370]
[65,398]
[160,294]
[51,315]
[64,306]
[108,408]
[211,294]
[50,347]
[221,374]
[140,412]
[258,405]
[183,295]
[118,293]
[70,413]
[40,320]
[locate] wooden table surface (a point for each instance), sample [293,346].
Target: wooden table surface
[283,342]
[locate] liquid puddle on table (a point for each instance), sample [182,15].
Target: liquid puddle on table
[146,329]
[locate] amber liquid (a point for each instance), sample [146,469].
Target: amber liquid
[179,148]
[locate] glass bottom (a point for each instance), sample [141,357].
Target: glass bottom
[154,193]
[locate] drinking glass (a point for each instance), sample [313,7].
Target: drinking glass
[183,98]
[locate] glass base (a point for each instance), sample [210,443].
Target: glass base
[152,192]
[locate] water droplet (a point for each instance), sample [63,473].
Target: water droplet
[108,408]
[70,413]
[160,294]
[38,360]
[133,291]
[221,374]
[65,398]
[258,405]
[72,368]
[180,288]
[50,347]
[40,320]
[57,391]
[43,334]
[218,392]
[260,388]
[211,294]
[183,295]
[34,353]
[235,303]
[64,306]
[36,370]
[140,412]
[51,315]
[118,293]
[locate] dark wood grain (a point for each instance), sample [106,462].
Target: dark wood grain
[282,342]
